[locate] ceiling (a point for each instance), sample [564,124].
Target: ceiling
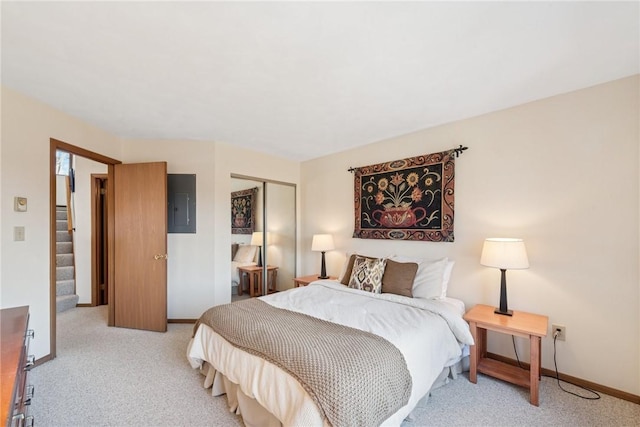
[300,79]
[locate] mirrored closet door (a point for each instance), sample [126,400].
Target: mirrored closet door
[263,236]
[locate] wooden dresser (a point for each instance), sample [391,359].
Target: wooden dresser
[15,394]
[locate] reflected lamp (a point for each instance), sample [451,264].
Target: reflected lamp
[256,239]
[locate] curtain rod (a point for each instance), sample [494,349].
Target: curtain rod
[457,151]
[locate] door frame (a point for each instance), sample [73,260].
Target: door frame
[55,145]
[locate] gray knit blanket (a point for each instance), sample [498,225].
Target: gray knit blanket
[355,378]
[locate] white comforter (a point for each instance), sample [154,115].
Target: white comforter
[427,332]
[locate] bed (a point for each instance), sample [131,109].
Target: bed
[428,333]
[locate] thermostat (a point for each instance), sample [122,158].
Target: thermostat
[20,204]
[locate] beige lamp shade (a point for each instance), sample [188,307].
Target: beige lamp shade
[504,253]
[322,243]
[256,238]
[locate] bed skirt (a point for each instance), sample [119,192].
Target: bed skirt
[255,415]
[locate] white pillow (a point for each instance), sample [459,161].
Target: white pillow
[428,283]
[446,277]
[245,253]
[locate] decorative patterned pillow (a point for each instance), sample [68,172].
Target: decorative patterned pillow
[367,273]
[347,268]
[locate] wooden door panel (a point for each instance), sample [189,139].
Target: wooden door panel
[140,244]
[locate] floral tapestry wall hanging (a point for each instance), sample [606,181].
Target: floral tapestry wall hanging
[409,199]
[243,211]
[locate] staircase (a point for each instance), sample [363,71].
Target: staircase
[65,269]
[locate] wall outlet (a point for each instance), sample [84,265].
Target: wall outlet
[561,330]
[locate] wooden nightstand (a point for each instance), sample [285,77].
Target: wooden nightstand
[305,280]
[481,318]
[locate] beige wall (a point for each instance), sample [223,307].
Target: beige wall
[27,126]
[563,174]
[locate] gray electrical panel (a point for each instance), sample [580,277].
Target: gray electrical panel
[181,203]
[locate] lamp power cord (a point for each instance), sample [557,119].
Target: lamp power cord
[594,396]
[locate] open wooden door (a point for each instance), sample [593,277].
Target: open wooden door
[140,246]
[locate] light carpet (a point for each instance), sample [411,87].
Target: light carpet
[124,377]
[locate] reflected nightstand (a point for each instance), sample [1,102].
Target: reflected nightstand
[253,274]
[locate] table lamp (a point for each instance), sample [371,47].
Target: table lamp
[505,254]
[322,243]
[256,239]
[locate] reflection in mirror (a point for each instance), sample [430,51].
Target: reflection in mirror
[280,213]
[247,218]
[263,247]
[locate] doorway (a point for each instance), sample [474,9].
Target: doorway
[137,219]
[54,146]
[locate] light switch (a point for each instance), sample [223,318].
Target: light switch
[18,234]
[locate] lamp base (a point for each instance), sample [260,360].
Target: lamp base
[323,269]
[503,310]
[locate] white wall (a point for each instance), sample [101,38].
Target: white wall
[82,216]
[27,126]
[563,174]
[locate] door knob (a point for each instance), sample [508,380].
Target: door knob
[160,256]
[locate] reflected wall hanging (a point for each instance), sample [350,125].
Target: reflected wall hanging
[243,211]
